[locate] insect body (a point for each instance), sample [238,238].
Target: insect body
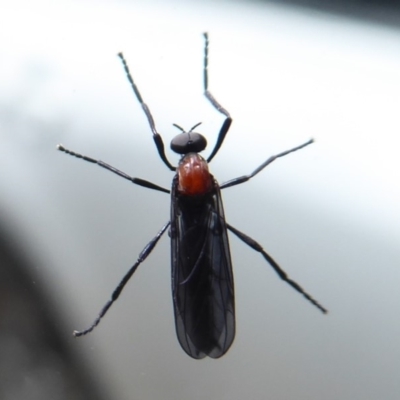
[202,278]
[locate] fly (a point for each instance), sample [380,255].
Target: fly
[202,278]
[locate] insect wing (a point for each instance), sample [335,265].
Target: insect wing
[202,279]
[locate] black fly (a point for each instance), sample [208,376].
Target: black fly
[202,278]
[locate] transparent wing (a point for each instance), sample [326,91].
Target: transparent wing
[202,279]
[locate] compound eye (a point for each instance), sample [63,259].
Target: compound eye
[188,142]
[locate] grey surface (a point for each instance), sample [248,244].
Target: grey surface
[328,214]
[36,359]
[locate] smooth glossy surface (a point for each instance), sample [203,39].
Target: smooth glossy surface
[194,177]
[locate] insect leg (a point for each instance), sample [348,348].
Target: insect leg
[245,178]
[228,120]
[142,256]
[137,181]
[156,136]
[282,274]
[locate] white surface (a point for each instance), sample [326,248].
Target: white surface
[328,214]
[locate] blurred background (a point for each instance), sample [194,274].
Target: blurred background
[329,214]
